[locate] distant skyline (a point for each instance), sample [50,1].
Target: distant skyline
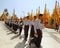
[22,7]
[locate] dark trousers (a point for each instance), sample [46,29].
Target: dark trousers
[20,30]
[10,25]
[26,28]
[57,28]
[32,31]
[37,40]
[15,27]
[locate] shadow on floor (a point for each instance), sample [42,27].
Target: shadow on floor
[15,36]
[20,44]
[9,33]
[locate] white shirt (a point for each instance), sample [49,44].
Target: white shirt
[27,22]
[38,25]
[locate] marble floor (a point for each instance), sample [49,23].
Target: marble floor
[51,38]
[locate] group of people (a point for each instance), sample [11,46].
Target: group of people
[35,26]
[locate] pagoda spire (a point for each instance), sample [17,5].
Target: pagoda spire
[31,15]
[56,4]
[48,14]
[58,9]
[45,11]
[13,12]
[38,11]
[45,15]
[28,14]
[14,17]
